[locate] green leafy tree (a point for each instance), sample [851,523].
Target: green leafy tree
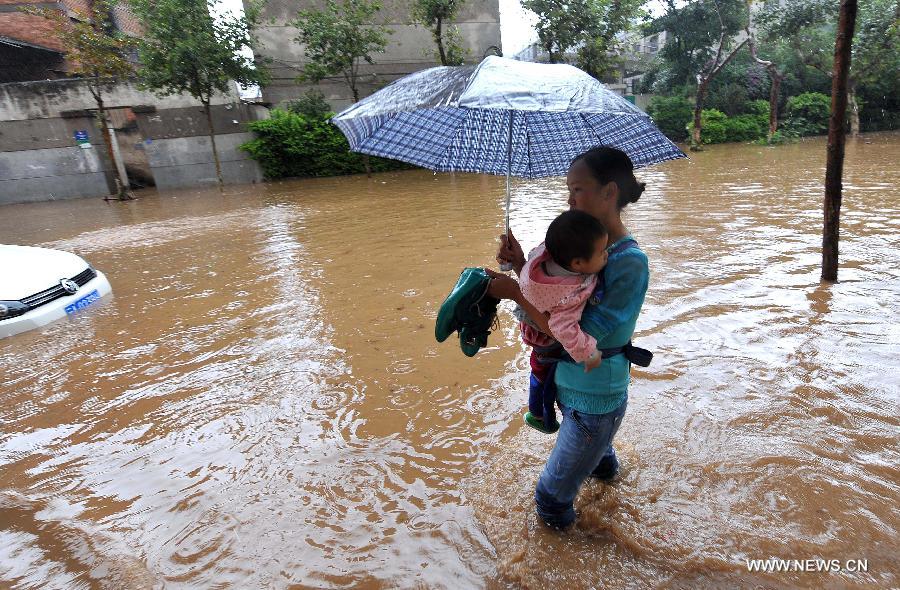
[601,53]
[699,45]
[338,38]
[876,56]
[808,29]
[99,54]
[801,27]
[591,27]
[693,32]
[776,74]
[724,51]
[185,49]
[563,24]
[436,16]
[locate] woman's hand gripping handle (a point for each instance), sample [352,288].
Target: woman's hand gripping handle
[510,254]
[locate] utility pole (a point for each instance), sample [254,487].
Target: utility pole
[834,168]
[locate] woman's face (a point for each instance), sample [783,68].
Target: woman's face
[588,195]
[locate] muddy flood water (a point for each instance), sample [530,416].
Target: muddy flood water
[262,403]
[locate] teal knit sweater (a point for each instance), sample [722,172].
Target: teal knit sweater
[611,322]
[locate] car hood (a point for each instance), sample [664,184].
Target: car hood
[25,270]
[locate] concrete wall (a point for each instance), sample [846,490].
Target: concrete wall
[410,48]
[179,151]
[187,161]
[40,158]
[49,98]
[47,174]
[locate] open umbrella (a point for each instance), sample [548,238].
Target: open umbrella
[501,116]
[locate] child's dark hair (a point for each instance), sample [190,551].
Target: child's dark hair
[611,165]
[573,235]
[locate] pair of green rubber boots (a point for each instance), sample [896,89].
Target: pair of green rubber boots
[468,310]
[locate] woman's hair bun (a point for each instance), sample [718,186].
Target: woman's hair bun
[638,191]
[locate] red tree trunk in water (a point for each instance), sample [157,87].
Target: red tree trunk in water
[703,81]
[773,100]
[698,113]
[834,167]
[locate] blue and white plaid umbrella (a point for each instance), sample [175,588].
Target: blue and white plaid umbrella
[501,116]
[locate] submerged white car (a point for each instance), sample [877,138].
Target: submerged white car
[40,285]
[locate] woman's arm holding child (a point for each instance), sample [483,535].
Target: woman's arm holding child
[582,347]
[504,287]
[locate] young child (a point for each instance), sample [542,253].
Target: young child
[559,277]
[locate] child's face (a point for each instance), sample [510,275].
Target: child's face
[595,263]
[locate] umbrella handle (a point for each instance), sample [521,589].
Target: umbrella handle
[507,266]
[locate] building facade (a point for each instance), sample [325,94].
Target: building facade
[28,48]
[410,48]
[51,146]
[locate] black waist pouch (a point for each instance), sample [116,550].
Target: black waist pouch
[639,356]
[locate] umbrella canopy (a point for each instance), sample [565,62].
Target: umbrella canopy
[501,116]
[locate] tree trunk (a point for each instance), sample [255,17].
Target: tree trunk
[854,108]
[698,111]
[773,101]
[212,141]
[550,55]
[122,193]
[834,167]
[703,85]
[774,75]
[351,81]
[439,39]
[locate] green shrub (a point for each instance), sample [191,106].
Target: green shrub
[746,127]
[671,114]
[758,107]
[717,127]
[730,98]
[311,104]
[712,126]
[807,114]
[291,144]
[779,138]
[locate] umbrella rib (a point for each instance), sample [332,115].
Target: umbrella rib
[528,148]
[456,134]
[591,127]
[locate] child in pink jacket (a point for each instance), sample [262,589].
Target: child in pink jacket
[559,277]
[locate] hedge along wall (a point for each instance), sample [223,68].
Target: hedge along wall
[293,144]
[805,114]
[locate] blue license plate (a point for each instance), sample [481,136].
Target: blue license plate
[83,302]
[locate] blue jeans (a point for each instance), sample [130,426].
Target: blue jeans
[583,440]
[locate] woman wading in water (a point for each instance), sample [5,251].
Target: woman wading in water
[601,183]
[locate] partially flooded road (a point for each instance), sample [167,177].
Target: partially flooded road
[262,403]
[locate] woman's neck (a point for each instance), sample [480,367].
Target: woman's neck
[615,229]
